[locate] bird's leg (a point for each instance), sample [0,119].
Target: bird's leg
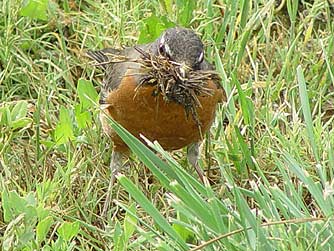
[115,165]
[193,156]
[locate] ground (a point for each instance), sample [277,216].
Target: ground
[269,152]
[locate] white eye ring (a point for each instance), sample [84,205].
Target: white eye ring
[200,58]
[168,50]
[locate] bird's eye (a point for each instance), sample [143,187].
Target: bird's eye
[164,50]
[201,57]
[161,49]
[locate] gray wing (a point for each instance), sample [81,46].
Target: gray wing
[115,71]
[206,66]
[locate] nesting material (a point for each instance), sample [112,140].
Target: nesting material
[166,77]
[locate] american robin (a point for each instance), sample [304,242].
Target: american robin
[140,112]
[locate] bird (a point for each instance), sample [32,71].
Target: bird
[142,113]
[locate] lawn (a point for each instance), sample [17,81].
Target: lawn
[269,154]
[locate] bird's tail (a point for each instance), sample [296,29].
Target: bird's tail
[101,56]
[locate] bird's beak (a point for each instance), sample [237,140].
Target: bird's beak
[184,69]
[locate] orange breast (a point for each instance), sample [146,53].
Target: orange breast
[141,113]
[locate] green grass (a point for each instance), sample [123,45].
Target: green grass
[270,149]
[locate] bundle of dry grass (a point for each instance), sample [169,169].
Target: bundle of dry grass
[166,77]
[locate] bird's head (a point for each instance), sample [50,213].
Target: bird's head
[183,47]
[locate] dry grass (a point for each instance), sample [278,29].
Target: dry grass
[274,153]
